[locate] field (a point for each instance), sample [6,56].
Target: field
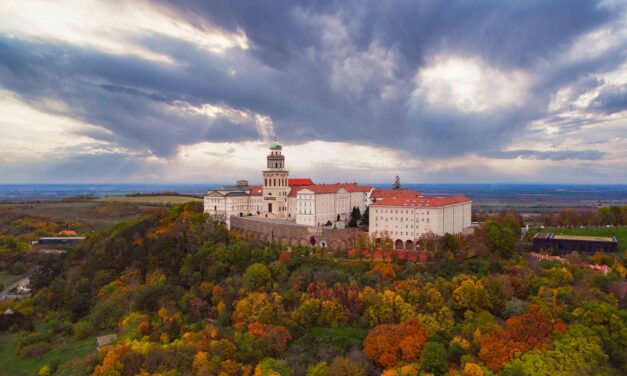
[13,364]
[90,212]
[619,232]
[158,200]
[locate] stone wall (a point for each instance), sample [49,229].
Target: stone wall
[289,233]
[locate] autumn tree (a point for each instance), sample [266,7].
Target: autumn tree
[257,341]
[259,307]
[257,277]
[522,333]
[404,370]
[470,295]
[385,271]
[389,344]
[386,307]
[272,367]
[343,366]
[318,369]
[576,352]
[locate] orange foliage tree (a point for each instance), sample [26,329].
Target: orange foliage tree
[532,329]
[389,344]
[384,269]
[274,336]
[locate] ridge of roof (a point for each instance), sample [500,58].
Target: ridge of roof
[423,201]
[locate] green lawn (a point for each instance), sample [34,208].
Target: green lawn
[13,364]
[175,200]
[7,278]
[619,232]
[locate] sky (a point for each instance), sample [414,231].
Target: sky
[189,91]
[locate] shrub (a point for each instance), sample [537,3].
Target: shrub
[18,267]
[35,350]
[342,366]
[82,329]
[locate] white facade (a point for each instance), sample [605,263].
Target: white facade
[406,220]
[223,203]
[320,204]
[293,199]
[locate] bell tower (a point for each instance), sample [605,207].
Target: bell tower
[275,182]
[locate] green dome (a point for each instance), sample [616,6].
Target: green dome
[275,145]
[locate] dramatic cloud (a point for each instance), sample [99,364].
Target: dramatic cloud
[449,91]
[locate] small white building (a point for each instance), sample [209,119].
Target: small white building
[237,200]
[406,219]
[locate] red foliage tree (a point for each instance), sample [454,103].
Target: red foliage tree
[274,336]
[389,344]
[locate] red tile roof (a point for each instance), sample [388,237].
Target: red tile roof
[299,182]
[394,193]
[422,201]
[294,191]
[256,190]
[331,188]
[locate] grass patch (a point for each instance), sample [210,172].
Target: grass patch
[13,364]
[159,200]
[619,232]
[7,278]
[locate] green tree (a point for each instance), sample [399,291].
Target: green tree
[365,218]
[80,299]
[501,239]
[608,322]
[434,358]
[257,277]
[355,217]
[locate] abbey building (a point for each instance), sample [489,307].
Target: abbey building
[282,197]
[402,214]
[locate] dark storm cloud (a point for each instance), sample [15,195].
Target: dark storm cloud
[611,100]
[557,155]
[337,71]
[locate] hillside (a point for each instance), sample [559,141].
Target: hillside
[185,296]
